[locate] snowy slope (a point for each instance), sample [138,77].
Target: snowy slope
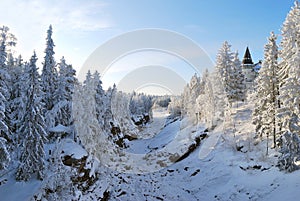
[214,171]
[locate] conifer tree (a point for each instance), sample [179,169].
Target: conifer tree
[266,105]
[49,73]
[33,126]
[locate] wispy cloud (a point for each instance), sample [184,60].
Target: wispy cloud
[29,20]
[66,15]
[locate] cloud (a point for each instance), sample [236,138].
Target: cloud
[30,19]
[66,15]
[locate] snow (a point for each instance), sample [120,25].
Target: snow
[157,124]
[70,148]
[213,171]
[14,191]
[59,129]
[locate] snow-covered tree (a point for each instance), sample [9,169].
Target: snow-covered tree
[290,89]
[4,155]
[212,101]
[33,126]
[99,98]
[140,105]
[49,73]
[266,102]
[174,106]
[63,95]
[238,90]
[229,69]
[4,130]
[16,104]
[91,135]
[121,113]
[189,96]
[9,40]
[58,180]
[4,92]
[290,33]
[289,143]
[108,116]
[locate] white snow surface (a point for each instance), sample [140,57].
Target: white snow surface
[214,171]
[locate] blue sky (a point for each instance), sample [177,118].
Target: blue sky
[81,26]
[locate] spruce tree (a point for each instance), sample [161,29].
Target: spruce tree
[49,73]
[33,126]
[266,105]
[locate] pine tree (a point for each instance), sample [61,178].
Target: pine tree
[4,91]
[266,105]
[289,91]
[33,126]
[290,33]
[17,108]
[90,133]
[4,136]
[4,154]
[49,73]
[63,94]
[289,67]
[238,90]
[99,98]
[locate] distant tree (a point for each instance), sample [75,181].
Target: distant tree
[266,104]
[174,106]
[189,96]
[33,126]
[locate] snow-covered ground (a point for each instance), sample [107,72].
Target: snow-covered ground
[213,171]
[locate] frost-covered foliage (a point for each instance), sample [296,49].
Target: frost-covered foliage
[99,98]
[90,134]
[121,113]
[16,103]
[140,105]
[175,106]
[205,101]
[49,73]
[161,101]
[266,98]
[4,154]
[290,33]
[32,126]
[289,68]
[58,184]
[229,69]
[61,111]
[289,143]
[189,96]
[212,100]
